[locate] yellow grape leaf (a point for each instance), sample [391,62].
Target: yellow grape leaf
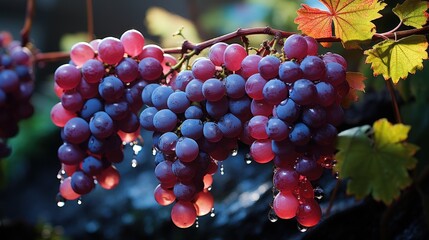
[351,19]
[355,80]
[163,23]
[376,164]
[395,59]
[412,12]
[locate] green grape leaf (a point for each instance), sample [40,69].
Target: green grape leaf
[375,164]
[412,12]
[351,20]
[395,59]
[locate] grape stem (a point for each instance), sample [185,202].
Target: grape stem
[90,19]
[383,35]
[187,46]
[25,32]
[391,88]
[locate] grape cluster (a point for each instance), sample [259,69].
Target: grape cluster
[100,91]
[16,88]
[285,106]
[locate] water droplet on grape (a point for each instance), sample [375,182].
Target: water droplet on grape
[60,200]
[272,216]
[222,169]
[337,175]
[302,228]
[234,152]
[79,201]
[197,224]
[318,193]
[134,163]
[137,148]
[248,158]
[209,188]
[61,174]
[154,151]
[212,213]
[124,143]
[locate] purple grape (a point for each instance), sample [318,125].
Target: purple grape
[192,128]
[167,142]
[334,114]
[70,154]
[92,166]
[303,92]
[212,132]
[217,109]
[194,90]
[164,120]
[300,134]
[308,167]
[241,107]
[213,89]
[276,129]
[314,117]
[290,71]
[313,68]
[268,67]
[178,102]
[93,71]
[203,69]
[90,107]
[147,93]
[325,135]
[146,118]
[326,95]
[230,125]
[185,172]
[165,175]
[184,192]
[187,149]
[111,89]
[249,65]
[82,183]
[335,74]
[150,69]
[117,110]
[129,124]
[216,53]
[234,85]
[183,78]
[194,112]
[101,125]
[127,70]
[72,101]
[288,111]
[76,130]
[96,145]
[312,46]
[295,46]
[275,91]
[160,95]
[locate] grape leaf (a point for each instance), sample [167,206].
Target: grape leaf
[412,12]
[395,59]
[355,80]
[351,19]
[377,165]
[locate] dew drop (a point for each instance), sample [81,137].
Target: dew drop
[272,216]
[248,158]
[318,193]
[137,148]
[79,201]
[134,163]
[209,188]
[61,174]
[197,224]
[337,175]
[60,200]
[154,151]
[124,143]
[212,212]
[234,152]
[222,169]
[302,228]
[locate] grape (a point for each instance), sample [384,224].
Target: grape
[184,191]
[184,171]
[213,89]
[111,88]
[152,51]
[60,116]
[133,42]
[261,151]
[325,94]
[230,125]
[93,71]
[276,129]
[167,142]
[334,114]
[203,69]
[240,107]
[117,110]
[108,178]
[147,93]
[308,167]
[81,52]
[194,90]
[254,86]
[186,149]
[333,57]
[9,81]
[72,101]
[234,86]
[308,213]
[325,135]
[160,96]
[66,190]
[303,92]
[163,196]
[111,50]
[314,117]
[92,166]
[285,205]
[288,111]
[233,56]
[335,74]
[193,112]
[212,132]
[183,214]
[275,91]
[150,69]
[313,68]
[261,107]
[249,65]
[192,128]
[165,175]
[127,70]
[204,203]
[290,71]
[70,154]
[129,124]
[257,127]
[218,108]
[183,78]
[76,130]
[178,102]
[164,120]
[90,107]
[66,76]
[96,145]
[216,53]
[300,134]
[101,125]
[81,183]
[268,67]
[312,46]
[87,90]
[296,47]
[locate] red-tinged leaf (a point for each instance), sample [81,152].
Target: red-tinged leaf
[351,20]
[355,80]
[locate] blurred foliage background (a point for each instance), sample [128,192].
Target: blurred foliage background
[28,183]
